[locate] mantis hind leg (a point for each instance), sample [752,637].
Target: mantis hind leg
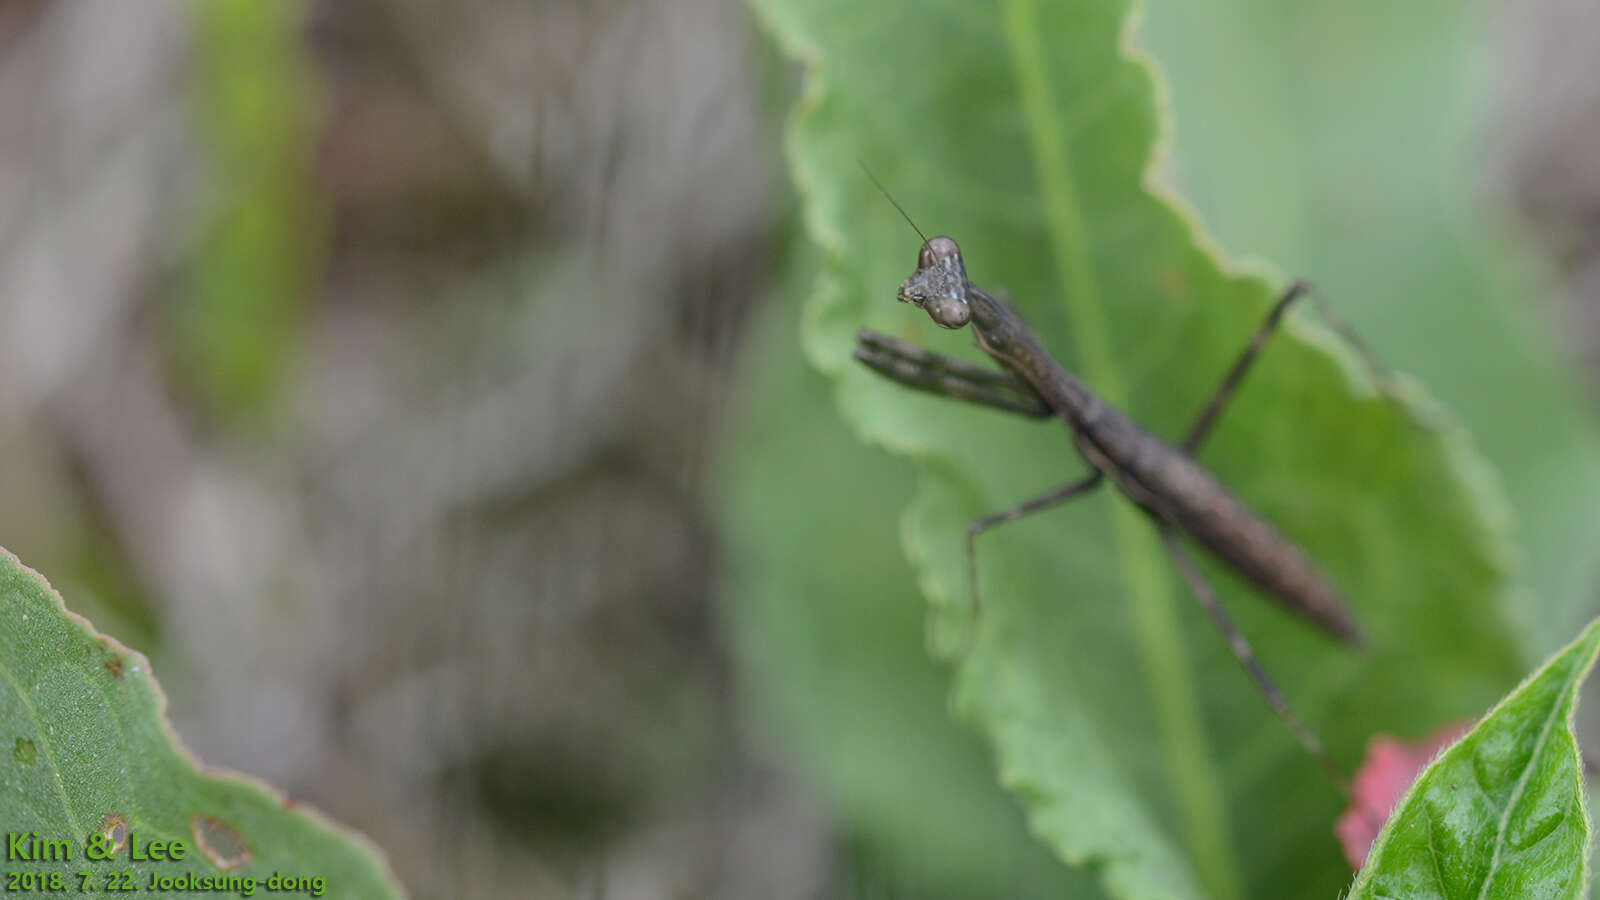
[1240,647]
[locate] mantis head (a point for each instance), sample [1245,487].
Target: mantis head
[939,285]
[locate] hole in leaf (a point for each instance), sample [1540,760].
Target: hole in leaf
[219,842]
[114,829]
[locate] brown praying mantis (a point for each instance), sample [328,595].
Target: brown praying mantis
[1165,481]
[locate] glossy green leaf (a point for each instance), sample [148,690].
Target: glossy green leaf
[1115,712]
[89,748]
[1501,812]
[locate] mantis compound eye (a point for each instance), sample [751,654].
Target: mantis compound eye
[948,312]
[935,251]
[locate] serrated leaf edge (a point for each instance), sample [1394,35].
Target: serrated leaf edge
[141,670]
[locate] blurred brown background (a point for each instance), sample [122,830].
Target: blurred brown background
[365,364]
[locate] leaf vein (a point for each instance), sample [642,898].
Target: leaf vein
[1504,820]
[46,746]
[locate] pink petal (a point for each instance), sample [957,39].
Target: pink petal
[1390,767]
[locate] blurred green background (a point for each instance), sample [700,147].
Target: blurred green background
[419,385]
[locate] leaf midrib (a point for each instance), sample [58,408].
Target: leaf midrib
[1193,773]
[1563,704]
[45,745]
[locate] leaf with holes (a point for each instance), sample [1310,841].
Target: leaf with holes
[93,762]
[1501,812]
[1116,713]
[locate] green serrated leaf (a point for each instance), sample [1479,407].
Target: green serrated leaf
[1501,812]
[94,751]
[830,630]
[1116,713]
[1345,142]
